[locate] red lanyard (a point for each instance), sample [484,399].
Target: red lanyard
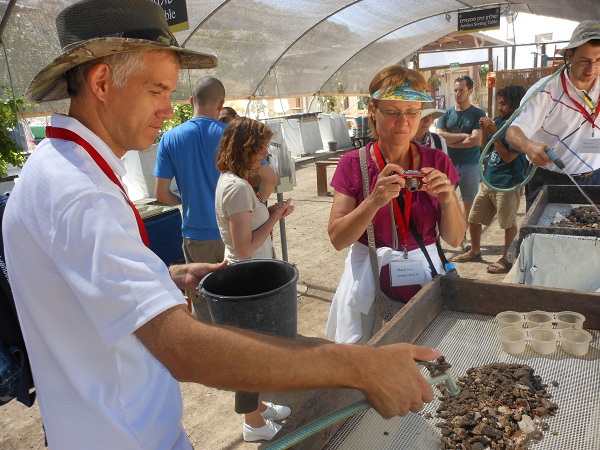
[581,108]
[402,221]
[68,135]
[255,193]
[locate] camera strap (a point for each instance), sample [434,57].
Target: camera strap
[400,206]
[400,221]
[413,228]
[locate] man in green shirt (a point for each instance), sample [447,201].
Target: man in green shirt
[459,126]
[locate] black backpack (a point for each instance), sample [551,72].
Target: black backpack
[16,380]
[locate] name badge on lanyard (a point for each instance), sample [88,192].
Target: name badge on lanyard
[406,272]
[591,145]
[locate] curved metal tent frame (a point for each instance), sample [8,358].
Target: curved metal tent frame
[318,92]
[197,27]
[280,48]
[370,43]
[298,39]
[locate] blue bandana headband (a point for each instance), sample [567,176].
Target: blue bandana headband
[403,92]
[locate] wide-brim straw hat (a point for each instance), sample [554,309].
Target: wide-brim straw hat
[433,112]
[91,29]
[584,32]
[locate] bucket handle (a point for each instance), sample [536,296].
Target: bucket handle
[199,287]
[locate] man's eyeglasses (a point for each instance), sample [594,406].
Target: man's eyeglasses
[584,62]
[393,114]
[464,78]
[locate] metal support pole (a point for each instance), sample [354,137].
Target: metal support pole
[490,89]
[5,17]
[284,254]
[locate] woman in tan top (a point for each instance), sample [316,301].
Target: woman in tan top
[245,224]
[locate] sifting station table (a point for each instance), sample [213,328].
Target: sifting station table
[552,255]
[458,316]
[553,202]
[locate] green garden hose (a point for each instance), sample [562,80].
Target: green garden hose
[344,413]
[318,425]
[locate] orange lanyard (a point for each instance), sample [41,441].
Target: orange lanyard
[402,222]
[68,135]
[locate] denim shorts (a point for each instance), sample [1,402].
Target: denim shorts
[469,181]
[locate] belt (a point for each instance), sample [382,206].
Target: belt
[562,176]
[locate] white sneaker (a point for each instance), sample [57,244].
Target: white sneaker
[264,433]
[275,412]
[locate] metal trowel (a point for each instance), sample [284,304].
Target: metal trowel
[561,165]
[439,371]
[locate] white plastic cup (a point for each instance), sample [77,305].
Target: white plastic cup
[570,319]
[543,340]
[512,340]
[539,319]
[509,319]
[575,342]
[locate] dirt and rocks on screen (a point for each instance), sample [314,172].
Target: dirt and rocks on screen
[500,406]
[581,217]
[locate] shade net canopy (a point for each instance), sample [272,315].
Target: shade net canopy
[278,48]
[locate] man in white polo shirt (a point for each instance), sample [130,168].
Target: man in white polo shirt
[107,328]
[563,117]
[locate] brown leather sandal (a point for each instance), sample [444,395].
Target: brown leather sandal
[467,257]
[500,266]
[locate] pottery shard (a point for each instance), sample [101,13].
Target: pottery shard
[488,431]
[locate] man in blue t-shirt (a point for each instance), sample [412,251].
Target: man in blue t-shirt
[505,169]
[188,153]
[459,126]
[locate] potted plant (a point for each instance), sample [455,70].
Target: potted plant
[10,151]
[181,113]
[434,81]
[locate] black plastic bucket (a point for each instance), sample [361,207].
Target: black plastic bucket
[259,295]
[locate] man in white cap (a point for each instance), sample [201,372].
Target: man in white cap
[426,137]
[563,117]
[106,326]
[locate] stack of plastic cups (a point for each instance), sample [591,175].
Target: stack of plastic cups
[544,331]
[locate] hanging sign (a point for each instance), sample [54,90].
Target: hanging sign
[481,19]
[176,14]
[454,65]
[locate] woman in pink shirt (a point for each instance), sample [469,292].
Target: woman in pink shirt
[397,97]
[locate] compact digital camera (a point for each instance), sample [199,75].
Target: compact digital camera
[413,179]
